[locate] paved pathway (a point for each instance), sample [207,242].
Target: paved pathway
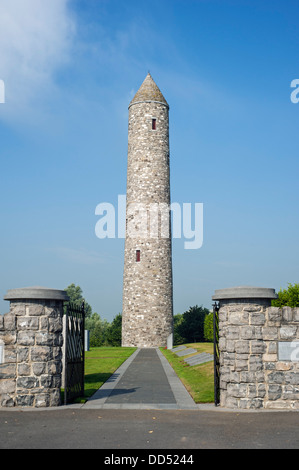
[144,381]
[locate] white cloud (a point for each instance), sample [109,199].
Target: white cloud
[35,40]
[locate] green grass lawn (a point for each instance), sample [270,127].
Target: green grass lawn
[198,380]
[101,363]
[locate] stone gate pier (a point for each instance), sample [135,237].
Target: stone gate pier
[31,347]
[259,350]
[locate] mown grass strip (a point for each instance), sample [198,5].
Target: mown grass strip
[198,380]
[100,364]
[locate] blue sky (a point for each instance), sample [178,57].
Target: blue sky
[70,69]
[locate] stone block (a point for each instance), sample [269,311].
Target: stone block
[9,322]
[6,401]
[27,382]
[292,378]
[237,390]
[17,308]
[39,368]
[233,333]
[252,308]
[9,338]
[247,332]
[276,377]
[287,314]
[270,357]
[41,354]
[283,366]
[10,355]
[277,405]
[55,325]
[238,318]
[24,369]
[296,314]
[222,343]
[24,400]
[288,332]
[234,377]
[270,333]
[242,347]
[42,400]
[261,390]
[52,312]
[27,323]
[257,347]
[35,309]
[255,363]
[274,314]
[55,368]
[44,339]
[290,393]
[241,365]
[257,319]
[26,338]
[272,347]
[274,392]
[7,371]
[7,386]
[22,353]
[230,346]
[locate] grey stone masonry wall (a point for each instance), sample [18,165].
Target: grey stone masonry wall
[259,351]
[31,341]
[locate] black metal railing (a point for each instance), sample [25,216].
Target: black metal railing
[74,352]
[216,354]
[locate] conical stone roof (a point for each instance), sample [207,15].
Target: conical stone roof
[148,91]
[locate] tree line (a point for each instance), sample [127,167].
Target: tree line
[102,333]
[193,326]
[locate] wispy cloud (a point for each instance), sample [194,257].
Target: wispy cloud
[35,38]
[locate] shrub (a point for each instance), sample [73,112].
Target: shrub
[209,328]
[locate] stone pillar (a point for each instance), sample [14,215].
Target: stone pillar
[147,320]
[242,321]
[31,339]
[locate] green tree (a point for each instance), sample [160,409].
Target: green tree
[287,297]
[76,297]
[114,331]
[209,328]
[177,320]
[98,330]
[191,328]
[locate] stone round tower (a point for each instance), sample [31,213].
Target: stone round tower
[147,288]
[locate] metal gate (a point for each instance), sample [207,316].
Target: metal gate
[216,354]
[74,352]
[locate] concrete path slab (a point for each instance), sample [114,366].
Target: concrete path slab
[145,381]
[200,358]
[186,352]
[178,348]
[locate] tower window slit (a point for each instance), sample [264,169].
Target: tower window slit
[154,124]
[137,256]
